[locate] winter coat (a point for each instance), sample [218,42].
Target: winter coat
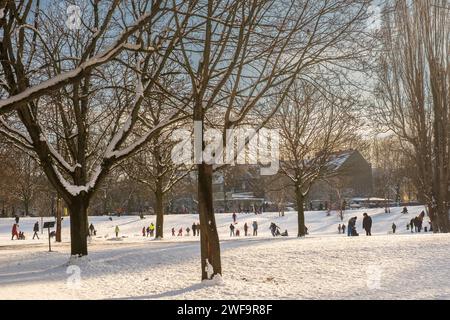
[14,228]
[255,225]
[351,222]
[36,227]
[245,227]
[231,227]
[367,223]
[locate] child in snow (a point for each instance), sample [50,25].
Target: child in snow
[339,228]
[245,229]
[173,232]
[117,231]
[343,228]
[187,231]
[393,227]
[234,217]
[143,231]
[180,232]
[237,233]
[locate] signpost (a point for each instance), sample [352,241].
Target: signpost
[49,225]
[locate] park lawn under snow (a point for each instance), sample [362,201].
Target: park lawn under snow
[324,265]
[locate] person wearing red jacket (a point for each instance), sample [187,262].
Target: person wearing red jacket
[15,231]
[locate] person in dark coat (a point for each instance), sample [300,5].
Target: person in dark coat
[367,224]
[231,230]
[36,230]
[350,226]
[394,227]
[343,228]
[245,229]
[194,229]
[411,225]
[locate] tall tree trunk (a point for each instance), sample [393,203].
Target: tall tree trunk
[300,211]
[159,211]
[59,209]
[78,226]
[210,246]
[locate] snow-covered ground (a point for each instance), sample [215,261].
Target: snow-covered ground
[324,265]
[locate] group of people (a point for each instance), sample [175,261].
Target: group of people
[195,230]
[416,224]
[234,232]
[351,226]
[149,231]
[275,230]
[20,235]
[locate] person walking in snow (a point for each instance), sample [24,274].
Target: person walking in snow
[245,229]
[234,217]
[187,231]
[15,231]
[238,233]
[173,232]
[231,230]
[343,228]
[367,224]
[36,230]
[194,228]
[274,229]
[143,231]
[117,231]
[255,228]
[91,230]
[411,225]
[339,228]
[393,227]
[180,232]
[405,210]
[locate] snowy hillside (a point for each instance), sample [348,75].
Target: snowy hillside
[131,226]
[322,265]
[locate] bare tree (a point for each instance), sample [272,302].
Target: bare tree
[241,52]
[413,91]
[95,83]
[313,125]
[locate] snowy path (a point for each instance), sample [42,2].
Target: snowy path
[322,266]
